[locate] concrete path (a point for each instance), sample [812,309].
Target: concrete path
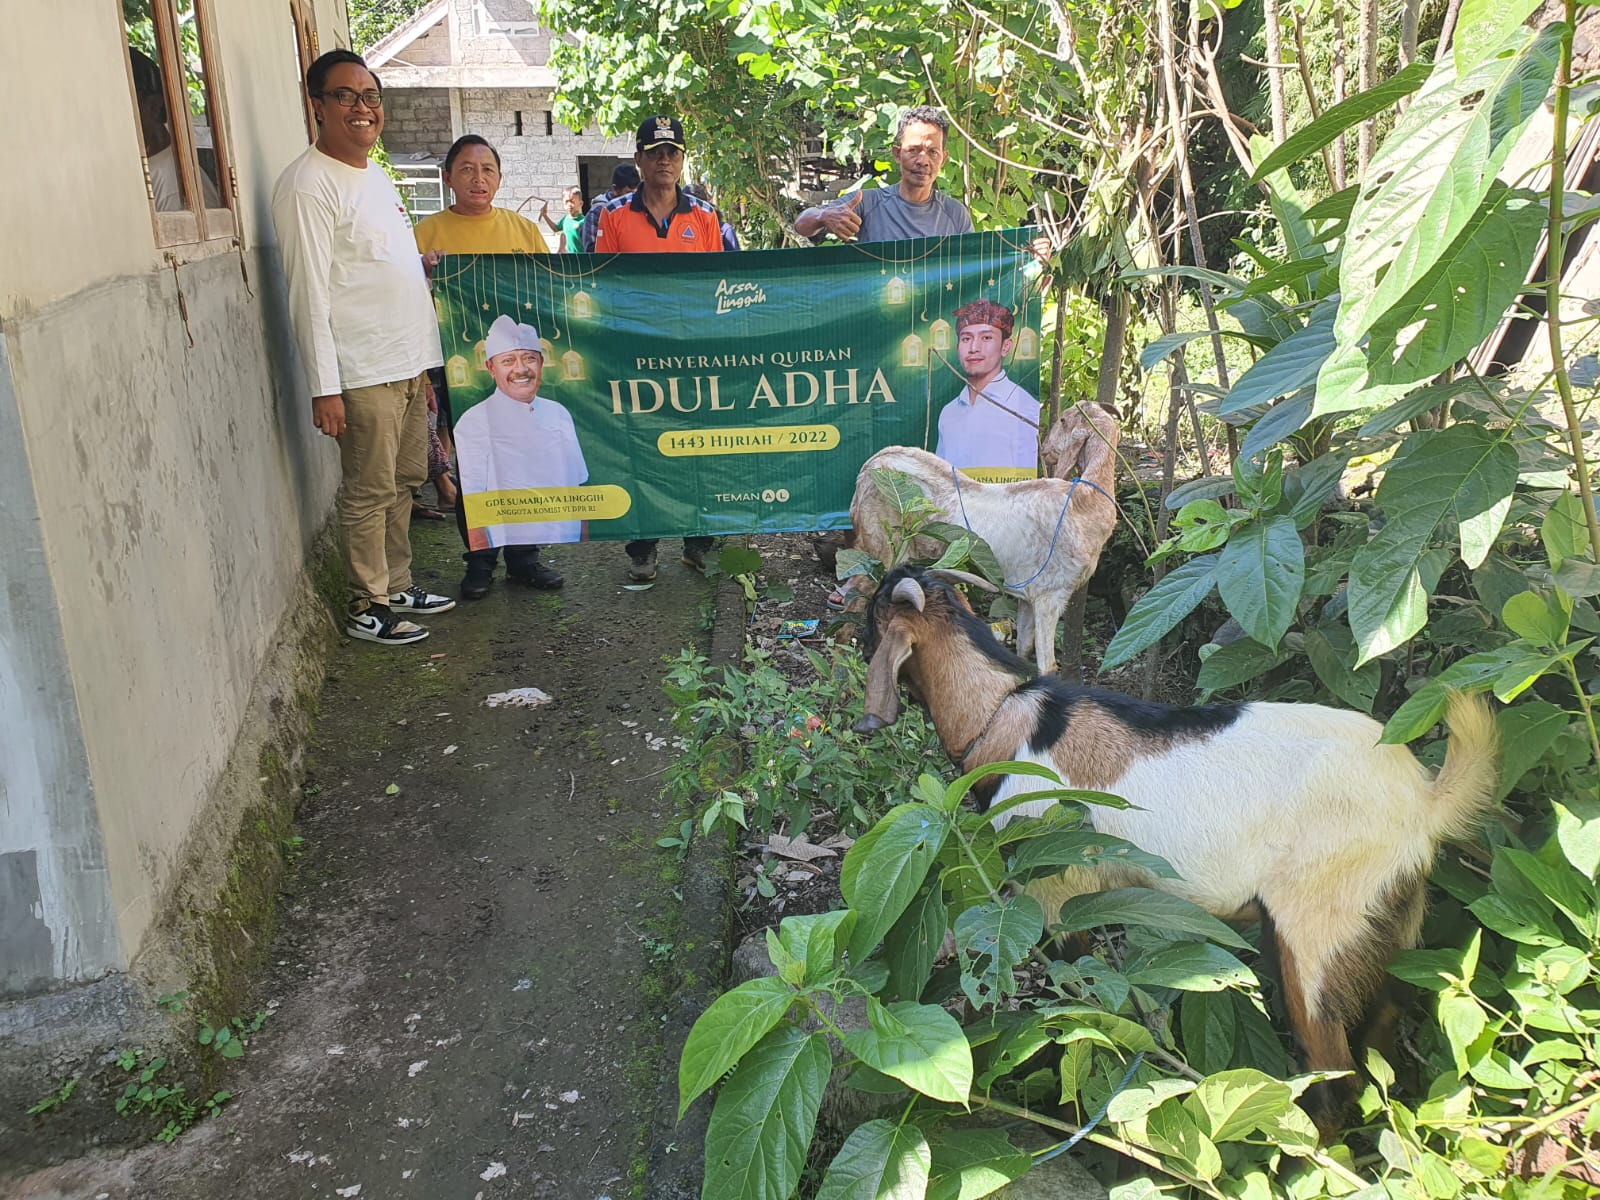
[481,946]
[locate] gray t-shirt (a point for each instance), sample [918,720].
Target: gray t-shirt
[887,216]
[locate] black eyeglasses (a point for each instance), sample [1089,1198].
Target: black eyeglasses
[345,98]
[663,150]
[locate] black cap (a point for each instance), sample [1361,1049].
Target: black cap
[625,175]
[660,131]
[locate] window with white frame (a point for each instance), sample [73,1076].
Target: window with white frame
[177,98]
[505,18]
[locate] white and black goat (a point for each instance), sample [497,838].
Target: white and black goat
[1292,813]
[1046,533]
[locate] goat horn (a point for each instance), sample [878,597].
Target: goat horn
[910,591]
[950,576]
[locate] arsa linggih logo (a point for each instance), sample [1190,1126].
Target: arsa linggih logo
[731,296]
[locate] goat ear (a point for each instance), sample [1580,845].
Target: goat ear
[910,592]
[883,679]
[950,576]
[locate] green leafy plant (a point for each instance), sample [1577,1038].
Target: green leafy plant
[55,1099]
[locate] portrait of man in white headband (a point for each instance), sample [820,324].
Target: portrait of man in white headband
[515,438]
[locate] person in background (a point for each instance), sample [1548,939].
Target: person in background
[473,225]
[914,207]
[365,327]
[730,239]
[623,180]
[570,227]
[165,180]
[659,217]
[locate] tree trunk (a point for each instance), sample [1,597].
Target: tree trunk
[1366,77]
[1110,374]
[1340,174]
[1055,356]
[1275,88]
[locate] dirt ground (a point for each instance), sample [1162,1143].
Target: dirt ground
[478,935]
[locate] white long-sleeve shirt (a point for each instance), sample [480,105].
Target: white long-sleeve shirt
[998,428]
[358,297]
[505,445]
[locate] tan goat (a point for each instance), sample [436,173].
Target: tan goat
[1046,533]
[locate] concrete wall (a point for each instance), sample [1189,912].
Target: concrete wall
[416,121]
[161,489]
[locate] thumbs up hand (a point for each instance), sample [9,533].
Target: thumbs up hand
[841,220]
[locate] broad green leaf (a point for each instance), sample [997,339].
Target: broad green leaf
[921,1045]
[1525,668]
[1306,487]
[1286,274]
[1564,532]
[879,1161]
[1357,688]
[1236,663]
[1204,488]
[1000,935]
[1227,283]
[1189,967]
[1483,26]
[1422,711]
[1461,299]
[1347,114]
[1433,171]
[765,1115]
[1130,1035]
[914,943]
[1049,853]
[852,562]
[1520,920]
[1496,1069]
[897,489]
[1578,832]
[1540,619]
[1132,1103]
[1527,730]
[1466,472]
[886,867]
[1260,573]
[1177,595]
[1337,206]
[1430,969]
[815,940]
[1284,419]
[1462,1018]
[1579,578]
[1019,1039]
[1289,366]
[1209,1029]
[1230,1105]
[735,1022]
[1172,1130]
[971,1163]
[1164,913]
[1569,892]
[1414,405]
[738,560]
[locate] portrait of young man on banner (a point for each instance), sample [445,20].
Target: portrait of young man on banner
[991,429]
[513,444]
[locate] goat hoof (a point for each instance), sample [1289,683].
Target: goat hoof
[869,724]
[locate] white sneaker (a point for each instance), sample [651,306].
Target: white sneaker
[415,599]
[380,625]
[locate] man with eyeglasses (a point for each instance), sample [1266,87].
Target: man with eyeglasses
[365,327]
[659,217]
[914,207]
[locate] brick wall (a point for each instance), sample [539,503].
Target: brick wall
[416,120]
[480,36]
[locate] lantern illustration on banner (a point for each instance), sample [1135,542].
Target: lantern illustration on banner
[582,306]
[1027,344]
[911,351]
[456,373]
[939,334]
[478,359]
[572,366]
[547,349]
[895,291]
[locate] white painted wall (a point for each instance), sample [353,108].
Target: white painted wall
[175,489]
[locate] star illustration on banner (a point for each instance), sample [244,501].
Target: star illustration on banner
[486,306]
[991,281]
[949,287]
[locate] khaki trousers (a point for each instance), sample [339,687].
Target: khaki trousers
[384,454]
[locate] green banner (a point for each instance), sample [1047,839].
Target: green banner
[649,395]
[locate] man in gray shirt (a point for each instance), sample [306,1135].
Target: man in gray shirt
[914,207]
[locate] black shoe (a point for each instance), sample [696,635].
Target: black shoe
[642,569]
[545,579]
[694,557]
[475,583]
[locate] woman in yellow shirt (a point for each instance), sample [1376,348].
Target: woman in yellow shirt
[473,225]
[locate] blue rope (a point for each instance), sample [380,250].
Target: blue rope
[1084,1132]
[955,479]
